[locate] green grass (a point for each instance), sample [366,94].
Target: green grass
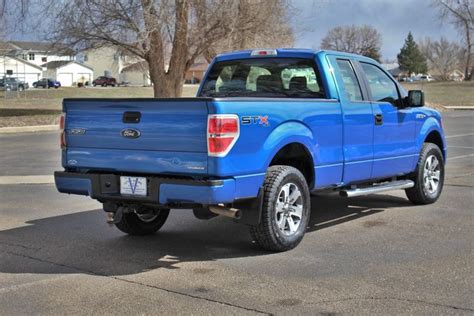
[42,106]
[448,93]
[51,99]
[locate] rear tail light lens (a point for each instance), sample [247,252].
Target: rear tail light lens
[62,124]
[222,133]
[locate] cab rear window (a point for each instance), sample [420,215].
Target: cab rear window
[264,77]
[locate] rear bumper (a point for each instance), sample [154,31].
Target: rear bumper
[161,190]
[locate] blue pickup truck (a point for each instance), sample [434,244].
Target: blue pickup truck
[267,129]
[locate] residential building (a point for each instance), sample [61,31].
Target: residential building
[39,53]
[68,73]
[196,72]
[114,62]
[31,61]
[109,61]
[19,68]
[136,74]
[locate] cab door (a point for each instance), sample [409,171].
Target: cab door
[394,125]
[358,121]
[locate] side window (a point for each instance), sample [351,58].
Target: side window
[381,86]
[351,84]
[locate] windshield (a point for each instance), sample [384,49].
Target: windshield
[264,77]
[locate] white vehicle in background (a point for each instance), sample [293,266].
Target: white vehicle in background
[426,78]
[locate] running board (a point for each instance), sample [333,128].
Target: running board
[377,188]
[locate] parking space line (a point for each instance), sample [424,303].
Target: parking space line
[46,179]
[460,157]
[460,135]
[462,147]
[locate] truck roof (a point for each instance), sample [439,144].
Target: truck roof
[287,52]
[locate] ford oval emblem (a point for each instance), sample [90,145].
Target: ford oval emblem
[130,133]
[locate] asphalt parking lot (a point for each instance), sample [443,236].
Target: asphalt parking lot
[375,254]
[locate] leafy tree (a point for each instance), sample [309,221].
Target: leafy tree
[362,40]
[410,57]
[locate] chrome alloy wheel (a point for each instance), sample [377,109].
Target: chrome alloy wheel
[431,175]
[289,209]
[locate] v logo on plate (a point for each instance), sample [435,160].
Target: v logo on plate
[133,186]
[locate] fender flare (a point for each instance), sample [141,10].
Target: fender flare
[288,133]
[430,125]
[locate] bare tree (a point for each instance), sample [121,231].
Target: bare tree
[461,14]
[442,55]
[168,34]
[252,24]
[363,40]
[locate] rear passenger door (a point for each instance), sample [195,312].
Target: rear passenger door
[394,128]
[358,122]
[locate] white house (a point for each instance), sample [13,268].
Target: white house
[109,61]
[19,68]
[39,53]
[136,74]
[31,61]
[69,73]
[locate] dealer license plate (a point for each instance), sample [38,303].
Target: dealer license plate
[133,186]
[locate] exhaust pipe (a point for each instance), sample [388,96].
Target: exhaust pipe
[225,211]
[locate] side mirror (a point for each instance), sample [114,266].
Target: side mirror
[415,98]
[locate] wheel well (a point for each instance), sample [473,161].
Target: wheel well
[435,138]
[297,156]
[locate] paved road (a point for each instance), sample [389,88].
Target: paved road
[376,254]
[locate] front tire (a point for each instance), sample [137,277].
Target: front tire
[285,211]
[428,177]
[142,224]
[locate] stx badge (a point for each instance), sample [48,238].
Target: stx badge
[261,120]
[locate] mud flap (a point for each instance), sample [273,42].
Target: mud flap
[250,209]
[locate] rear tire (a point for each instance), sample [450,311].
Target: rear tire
[285,211]
[139,225]
[428,177]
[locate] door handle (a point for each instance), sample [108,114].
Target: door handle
[378,119]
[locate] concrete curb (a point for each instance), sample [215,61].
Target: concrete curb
[28,129]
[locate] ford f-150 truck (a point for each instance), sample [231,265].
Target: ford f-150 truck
[267,129]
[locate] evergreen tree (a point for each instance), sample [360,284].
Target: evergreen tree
[410,58]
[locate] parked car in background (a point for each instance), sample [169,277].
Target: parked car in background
[124,83]
[426,78]
[104,81]
[47,83]
[13,84]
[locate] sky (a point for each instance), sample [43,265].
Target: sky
[393,19]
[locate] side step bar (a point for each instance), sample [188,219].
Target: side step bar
[377,188]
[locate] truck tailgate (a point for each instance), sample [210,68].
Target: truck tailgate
[171,134]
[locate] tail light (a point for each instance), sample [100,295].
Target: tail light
[222,133]
[62,124]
